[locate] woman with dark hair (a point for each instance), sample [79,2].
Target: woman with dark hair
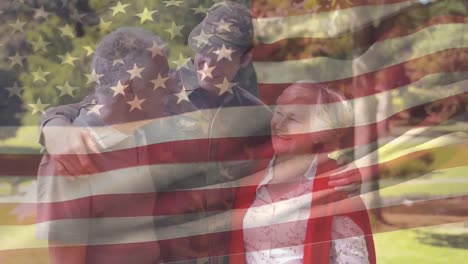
[287,213]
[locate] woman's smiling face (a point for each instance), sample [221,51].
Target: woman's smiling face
[309,118]
[291,125]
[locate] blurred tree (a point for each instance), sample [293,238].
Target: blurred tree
[10,103]
[56,40]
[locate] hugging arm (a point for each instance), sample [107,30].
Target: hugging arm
[59,137]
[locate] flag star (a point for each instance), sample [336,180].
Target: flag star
[223,53]
[40,44]
[16,60]
[93,77]
[118,8]
[89,50]
[206,71]
[15,90]
[146,15]
[200,10]
[156,49]
[96,109]
[40,75]
[226,86]
[159,82]
[67,31]
[66,89]
[104,25]
[223,25]
[119,89]
[173,3]
[117,61]
[182,96]
[203,38]
[135,103]
[77,16]
[175,30]
[135,72]
[180,62]
[38,106]
[40,13]
[18,26]
[222,3]
[67,59]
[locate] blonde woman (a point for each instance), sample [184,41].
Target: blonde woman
[281,216]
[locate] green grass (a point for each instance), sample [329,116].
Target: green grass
[455,127]
[405,145]
[401,247]
[433,185]
[26,137]
[453,173]
[426,189]
[5,189]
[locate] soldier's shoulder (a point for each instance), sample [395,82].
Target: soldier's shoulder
[247,98]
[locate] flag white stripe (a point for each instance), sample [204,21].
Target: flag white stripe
[396,149]
[29,241]
[380,55]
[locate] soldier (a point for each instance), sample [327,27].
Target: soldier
[71,210]
[219,80]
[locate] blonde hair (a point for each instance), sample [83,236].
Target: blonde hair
[331,109]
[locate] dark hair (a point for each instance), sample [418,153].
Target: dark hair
[128,44]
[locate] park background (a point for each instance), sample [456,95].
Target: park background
[59,37]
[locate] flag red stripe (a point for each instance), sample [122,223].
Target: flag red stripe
[395,77]
[175,202]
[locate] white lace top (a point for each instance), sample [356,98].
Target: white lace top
[274,232]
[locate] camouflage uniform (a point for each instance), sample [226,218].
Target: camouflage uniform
[203,206]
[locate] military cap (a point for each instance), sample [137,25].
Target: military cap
[227,23]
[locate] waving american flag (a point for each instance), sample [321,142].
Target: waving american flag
[168,158]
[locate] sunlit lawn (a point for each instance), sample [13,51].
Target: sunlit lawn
[426,189]
[5,188]
[395,247]
[402,247]
[25,141]
[432,184]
